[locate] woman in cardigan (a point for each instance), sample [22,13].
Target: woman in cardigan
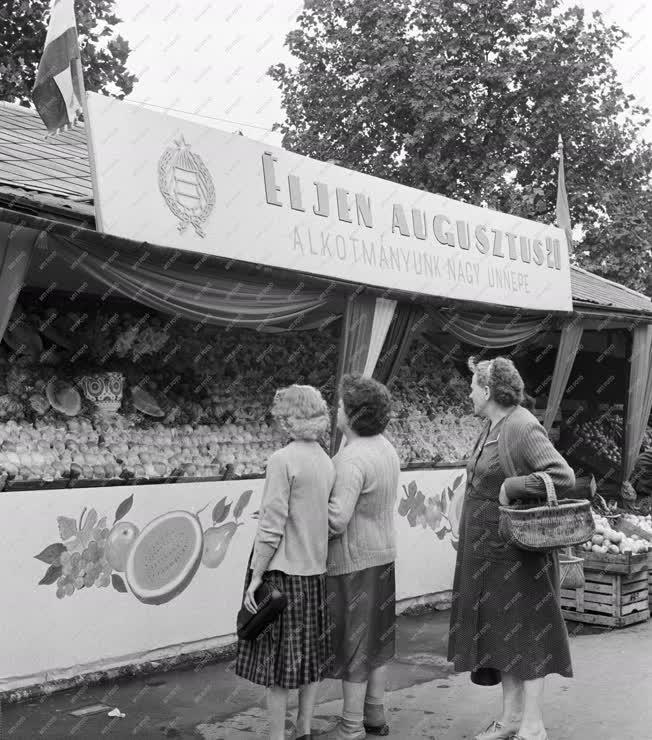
[361,556]
[290,550]
[506,621]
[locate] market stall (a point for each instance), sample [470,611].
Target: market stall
[140,360]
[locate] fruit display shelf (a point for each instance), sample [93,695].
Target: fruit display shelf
[117,397]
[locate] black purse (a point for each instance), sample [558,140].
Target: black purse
[271,603]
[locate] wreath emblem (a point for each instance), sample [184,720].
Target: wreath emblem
[186,185]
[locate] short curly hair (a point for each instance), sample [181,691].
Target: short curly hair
[302,411]
[503,379]
[367,404]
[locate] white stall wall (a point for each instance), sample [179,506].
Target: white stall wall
[45,638]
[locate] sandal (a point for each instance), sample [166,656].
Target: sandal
[496,731]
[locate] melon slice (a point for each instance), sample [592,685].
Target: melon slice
[63,397]
[146,403]
[165,557]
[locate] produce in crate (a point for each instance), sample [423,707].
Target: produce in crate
[608,540]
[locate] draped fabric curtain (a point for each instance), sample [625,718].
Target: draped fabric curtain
[364,328]
[383,315]
[16,248]
[206,295]
[569,344]
[488,330]
[404,327]
[639,397]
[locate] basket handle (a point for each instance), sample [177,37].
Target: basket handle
[550,488]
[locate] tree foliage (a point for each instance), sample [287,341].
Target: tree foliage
[23,25]
[466,98]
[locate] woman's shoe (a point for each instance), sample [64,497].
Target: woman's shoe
[497,731]
[376,729]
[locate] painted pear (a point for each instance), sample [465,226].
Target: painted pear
[216,544]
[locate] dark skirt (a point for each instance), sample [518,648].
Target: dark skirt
[294,649]
[363,611]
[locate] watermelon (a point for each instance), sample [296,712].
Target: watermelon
[165,557]
[63,397]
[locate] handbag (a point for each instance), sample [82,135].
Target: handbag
[547,527]
[271,603]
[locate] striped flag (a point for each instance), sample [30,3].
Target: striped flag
[562,211]
[58,89]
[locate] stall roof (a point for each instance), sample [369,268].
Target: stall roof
[53,175]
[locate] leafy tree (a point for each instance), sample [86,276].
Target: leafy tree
[23,25]
[466,98]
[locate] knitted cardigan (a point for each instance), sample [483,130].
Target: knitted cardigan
[524,448]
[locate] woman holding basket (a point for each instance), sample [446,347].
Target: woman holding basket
[506,621]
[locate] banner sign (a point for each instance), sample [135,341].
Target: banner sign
[167,181]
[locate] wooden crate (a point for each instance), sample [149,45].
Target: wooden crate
[610,599]
[625,564]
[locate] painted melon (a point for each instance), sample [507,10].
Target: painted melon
[165,557]
[146,403]
[63,397]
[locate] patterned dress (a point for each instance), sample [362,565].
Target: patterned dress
[506,615]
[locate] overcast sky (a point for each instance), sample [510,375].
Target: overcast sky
[210,57]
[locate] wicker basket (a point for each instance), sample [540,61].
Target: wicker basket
[571,570]
[543,528]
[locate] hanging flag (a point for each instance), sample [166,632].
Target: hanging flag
[562,211]
[58,89]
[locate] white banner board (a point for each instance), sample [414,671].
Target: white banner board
[167,181]
[104,623]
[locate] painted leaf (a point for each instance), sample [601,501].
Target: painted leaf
[412,487]
[441,533]
[51,553]
[118,584]
[450,493]
[124,508]
[67,527]
[403,507]
[90,521]
[458,480]
[221,511]
[443,503]
[242,504]
[454,544]
[52,574]
[101,524]
[412,518]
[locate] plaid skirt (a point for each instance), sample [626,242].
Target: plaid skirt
[294,650]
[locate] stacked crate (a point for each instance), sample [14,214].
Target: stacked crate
[616,592]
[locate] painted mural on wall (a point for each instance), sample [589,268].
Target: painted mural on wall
[440,511]
[155,563]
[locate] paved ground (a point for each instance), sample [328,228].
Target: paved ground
[609,699]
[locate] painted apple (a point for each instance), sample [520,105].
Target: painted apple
[119,543]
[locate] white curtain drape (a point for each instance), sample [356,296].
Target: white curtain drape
[383,314]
